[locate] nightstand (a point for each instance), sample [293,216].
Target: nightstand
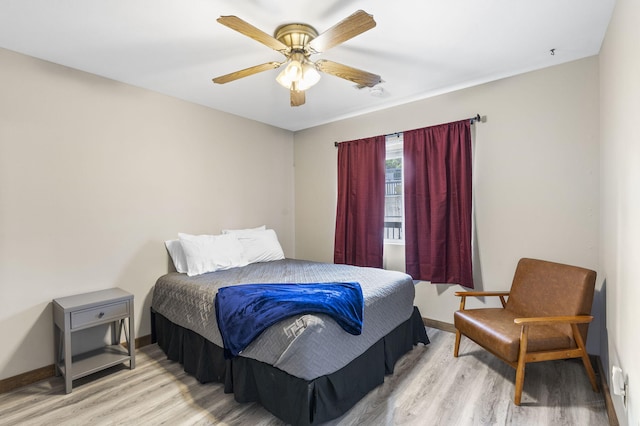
[83,311]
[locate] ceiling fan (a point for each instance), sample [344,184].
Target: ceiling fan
[297,42]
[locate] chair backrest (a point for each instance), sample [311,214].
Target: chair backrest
[542,288]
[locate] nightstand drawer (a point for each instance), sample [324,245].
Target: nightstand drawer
[99,314]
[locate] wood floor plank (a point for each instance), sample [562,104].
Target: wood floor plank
[429,387]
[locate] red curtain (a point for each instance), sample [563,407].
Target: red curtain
[437,184]
[360,213]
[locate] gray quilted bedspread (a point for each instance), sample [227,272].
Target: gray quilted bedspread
[305,346]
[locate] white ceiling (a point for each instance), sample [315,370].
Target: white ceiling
[420,48]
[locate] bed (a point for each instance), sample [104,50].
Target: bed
[304,369]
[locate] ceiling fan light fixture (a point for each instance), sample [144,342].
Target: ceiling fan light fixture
[292,73]
[299,74]
[310,76]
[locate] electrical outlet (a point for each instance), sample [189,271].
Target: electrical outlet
[620,384]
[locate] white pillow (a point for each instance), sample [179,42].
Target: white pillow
[177,255]
[260,246]
[210,253]
[244,231]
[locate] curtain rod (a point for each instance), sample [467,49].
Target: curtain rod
[472,120]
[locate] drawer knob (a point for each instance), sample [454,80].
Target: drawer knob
[101,314]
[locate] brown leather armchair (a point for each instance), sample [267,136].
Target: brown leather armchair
[545,318]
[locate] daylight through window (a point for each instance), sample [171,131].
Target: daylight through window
[394,200]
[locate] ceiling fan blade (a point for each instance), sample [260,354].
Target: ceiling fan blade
[344,30]
[246,72]
[249,30]
[348,73]
[297,97]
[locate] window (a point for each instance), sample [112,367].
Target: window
[394,200]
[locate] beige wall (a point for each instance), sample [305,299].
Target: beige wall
[95,175]
[535,175]
[620,201]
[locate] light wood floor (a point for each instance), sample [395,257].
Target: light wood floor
[429,387]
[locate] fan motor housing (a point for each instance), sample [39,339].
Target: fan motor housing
[295,36]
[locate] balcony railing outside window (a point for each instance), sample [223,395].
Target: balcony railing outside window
[393,210]
[394,202]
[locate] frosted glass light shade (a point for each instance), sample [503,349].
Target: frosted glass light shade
[298,75]
[292,72]
[310,76]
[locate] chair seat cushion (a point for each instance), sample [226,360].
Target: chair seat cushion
[494,329]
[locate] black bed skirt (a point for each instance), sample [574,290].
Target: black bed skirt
[295,401]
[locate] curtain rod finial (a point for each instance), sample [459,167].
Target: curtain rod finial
[478,118]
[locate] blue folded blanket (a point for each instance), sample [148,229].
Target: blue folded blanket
[245,311]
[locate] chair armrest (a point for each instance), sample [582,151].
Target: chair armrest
[579,319]
[463,295]
[481,293]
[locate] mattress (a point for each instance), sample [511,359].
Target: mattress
[305,346]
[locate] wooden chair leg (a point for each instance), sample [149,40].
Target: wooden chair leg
[521,365]
[457,345]
[456,348]
[519,382]
[592,375]
[585,358]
